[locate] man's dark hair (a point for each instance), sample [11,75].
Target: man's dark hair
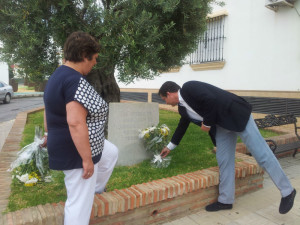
[80,45]
[168,86]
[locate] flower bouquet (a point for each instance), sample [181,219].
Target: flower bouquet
[32,165]
[154,140]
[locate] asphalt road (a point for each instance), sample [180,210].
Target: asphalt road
[10,111]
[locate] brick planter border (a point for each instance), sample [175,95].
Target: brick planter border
[148,203]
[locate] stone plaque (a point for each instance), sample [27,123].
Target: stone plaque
[124,123]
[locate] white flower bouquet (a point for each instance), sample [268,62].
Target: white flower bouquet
[154,140]
[32,164]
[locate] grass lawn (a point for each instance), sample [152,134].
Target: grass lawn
[193,153]
[23,88]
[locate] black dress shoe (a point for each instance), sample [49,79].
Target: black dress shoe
[216,206]
[287,202]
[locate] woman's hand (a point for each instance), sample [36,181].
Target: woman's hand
[88,169]
[44,144]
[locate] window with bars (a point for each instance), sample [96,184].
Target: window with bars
[211,43]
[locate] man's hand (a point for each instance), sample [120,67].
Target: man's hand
[205,128]
[88,169]
[165,152]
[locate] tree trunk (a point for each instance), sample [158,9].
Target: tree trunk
[105,84]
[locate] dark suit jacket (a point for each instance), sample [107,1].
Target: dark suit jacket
[216,106]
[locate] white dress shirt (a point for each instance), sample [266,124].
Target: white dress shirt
[191,113]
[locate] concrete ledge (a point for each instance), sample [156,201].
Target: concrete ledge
[148,203]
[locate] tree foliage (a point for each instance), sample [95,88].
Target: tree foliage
[138,38]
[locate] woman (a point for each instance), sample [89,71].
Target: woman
[75,118]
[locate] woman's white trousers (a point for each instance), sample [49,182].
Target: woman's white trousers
[80,192]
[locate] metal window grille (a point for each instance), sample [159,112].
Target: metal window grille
[211,43]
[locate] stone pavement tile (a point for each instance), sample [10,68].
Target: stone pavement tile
[271,213]
[252,218]
[185,220]
[289,163]
[168,223]
[293,172]
[296,207]
[258,199]
[270,193]
[297,198]
[296,183]
[235,213]
[205,218]
[253,202]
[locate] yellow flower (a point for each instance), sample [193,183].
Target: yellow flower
[34,175]
[147,135]
[29,184]
[164,131]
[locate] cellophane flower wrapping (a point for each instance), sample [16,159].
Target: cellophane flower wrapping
[159,162]
[32,163]
[154,140]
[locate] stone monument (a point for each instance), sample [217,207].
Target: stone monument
[125,121]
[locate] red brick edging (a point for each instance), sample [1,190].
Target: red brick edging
[148,203]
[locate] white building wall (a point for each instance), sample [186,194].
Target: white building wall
[261,50]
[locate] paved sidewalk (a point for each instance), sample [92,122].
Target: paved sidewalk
[4,131]
[257,208]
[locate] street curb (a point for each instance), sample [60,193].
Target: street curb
[27,95]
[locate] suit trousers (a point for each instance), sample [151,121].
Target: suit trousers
[226,146]
[80,192]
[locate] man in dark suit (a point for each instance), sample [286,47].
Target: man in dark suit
[225,116]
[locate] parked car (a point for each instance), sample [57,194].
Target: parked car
[6,92]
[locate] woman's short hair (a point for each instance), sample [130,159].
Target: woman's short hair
[80,45]
[168,86]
